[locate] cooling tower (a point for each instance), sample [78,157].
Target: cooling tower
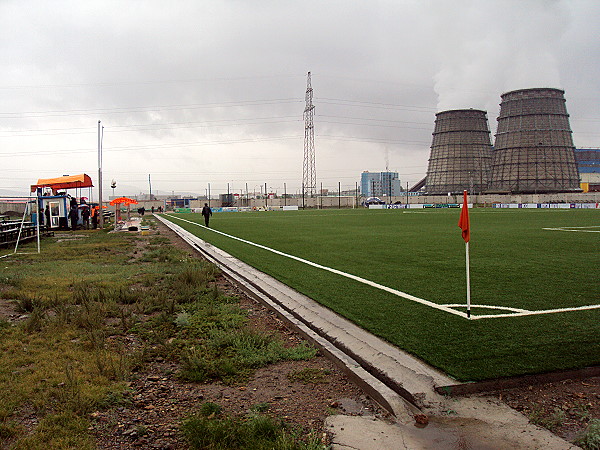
[460,155]
[534,151]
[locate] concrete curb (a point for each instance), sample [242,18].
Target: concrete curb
[480,387]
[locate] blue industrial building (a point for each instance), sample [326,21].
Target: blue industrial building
[380,184]
[588,164]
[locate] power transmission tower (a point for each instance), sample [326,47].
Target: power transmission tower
[309,173]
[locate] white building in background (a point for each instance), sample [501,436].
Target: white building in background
[380,184]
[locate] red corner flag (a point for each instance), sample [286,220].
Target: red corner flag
[463,222]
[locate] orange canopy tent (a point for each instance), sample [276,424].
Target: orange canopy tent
[122,200]
[126,200]
[68,182]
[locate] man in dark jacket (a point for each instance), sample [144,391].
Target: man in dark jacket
[85,217]
[74,216]
[48,218]
[206,212]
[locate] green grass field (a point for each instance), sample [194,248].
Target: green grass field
[514,263]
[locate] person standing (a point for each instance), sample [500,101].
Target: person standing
[47,214]
[74,216]
[94,217]
[85,216]
[206,212]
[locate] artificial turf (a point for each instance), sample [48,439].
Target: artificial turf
[514,263]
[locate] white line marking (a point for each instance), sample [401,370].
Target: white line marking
[533,313]
[575,229]
[446,308]
[506,308]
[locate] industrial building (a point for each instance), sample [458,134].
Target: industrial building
[588,164]
[534,150]
[380,184]
[460,152]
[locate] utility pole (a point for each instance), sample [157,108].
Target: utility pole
[309,175]
[321,197]
[100,130]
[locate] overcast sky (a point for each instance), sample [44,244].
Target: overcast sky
[198,92]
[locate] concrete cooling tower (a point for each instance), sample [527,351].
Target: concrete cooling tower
[460,155]
[534,151]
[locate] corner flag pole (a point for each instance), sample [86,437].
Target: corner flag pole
[468,281]
[465,226]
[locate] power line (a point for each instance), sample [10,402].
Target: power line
[371,140]
[146,147]
[342,102]
[87,112]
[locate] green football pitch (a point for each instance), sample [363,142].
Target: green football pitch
[535,281]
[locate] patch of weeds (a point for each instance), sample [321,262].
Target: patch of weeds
[10,429]
[64,313]
[301,352]
[196,275]
[182,319]
[117,397]
[122,295]
[158,336]
[590,437]
[4,324]
[260,407]
[199,367]
[27,303]
[185,294]
[550,421]
[210,315]
[162,254]
[72,396]
[127,318]
[62,430]
[159,240]
[230,354]
[35,322]
[113,366]
[331,411]
[310,375]
[209,409]
[582,411]
[15,280]
[254,432]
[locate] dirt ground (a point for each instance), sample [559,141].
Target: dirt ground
[564,407]
[160,400]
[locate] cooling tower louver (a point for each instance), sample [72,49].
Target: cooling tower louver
[460,155]
[534,151]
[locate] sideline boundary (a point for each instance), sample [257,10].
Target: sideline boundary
[448,308]
[575,229]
